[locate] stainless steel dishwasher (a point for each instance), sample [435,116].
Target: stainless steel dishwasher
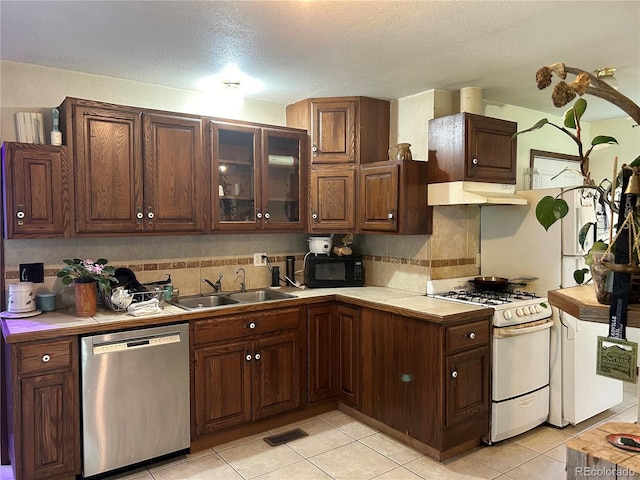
[135,396]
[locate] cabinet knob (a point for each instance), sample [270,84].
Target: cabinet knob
[46,358]
[251,325]
[139,214]
[474,161]
[454,374]
[150,215]
[257,356]
[390,215]
[20,215]
[314,149]
[248,357]
[314,216]
[267,216]
[258,215]
[472,335]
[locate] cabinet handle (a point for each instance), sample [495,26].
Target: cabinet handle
[314,216]
[454,374]
[472,335]
[20,215]
[46,358]
[248,357]
[257,356]
[267,216]
[258,215]
[474,161]
[314,149]
[251,325]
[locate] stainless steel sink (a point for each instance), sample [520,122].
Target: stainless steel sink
[256,296]
[200,302]
[204,301]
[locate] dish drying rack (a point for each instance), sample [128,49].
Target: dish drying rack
[121,302]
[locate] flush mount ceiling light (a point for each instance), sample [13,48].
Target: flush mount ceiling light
[232,97]
[225,91]
[607,74]
[231,85]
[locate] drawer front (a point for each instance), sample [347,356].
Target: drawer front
[41,357]
[467,335]
[237,326]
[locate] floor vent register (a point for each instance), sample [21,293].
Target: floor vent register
[275,440]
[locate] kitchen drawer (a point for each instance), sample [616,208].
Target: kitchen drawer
[236,326]
[467,335]
[40,357]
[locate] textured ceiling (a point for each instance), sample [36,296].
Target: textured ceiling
[301,49]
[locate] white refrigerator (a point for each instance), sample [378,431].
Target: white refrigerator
[514,244]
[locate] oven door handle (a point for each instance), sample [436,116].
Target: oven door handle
[503,332]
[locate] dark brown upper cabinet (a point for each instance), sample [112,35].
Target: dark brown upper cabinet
[37,191]
[470,147]
[258,177]
[343,130]
[135,171]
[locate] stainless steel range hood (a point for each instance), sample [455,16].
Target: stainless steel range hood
[473,193]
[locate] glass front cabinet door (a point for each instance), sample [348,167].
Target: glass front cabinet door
[283,184]
[235,151]
[257,183]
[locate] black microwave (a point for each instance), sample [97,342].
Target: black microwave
[323,271]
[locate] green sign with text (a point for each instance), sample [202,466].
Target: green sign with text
[617,359]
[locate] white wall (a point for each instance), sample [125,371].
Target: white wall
[34,88]
[628,148]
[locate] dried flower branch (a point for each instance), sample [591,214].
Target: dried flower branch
[585,82]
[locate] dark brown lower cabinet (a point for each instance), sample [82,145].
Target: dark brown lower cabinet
[44,409]
[333,353]
[246,367]
[434,391]
[223,386]
[320,358]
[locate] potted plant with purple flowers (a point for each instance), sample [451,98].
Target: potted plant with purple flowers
[87,276]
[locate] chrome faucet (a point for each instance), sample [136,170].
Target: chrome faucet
[217,287]
[243,286]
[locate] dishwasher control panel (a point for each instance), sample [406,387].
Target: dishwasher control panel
[141,342]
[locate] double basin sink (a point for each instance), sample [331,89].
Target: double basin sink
[215,300]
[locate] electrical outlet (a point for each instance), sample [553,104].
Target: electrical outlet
[258,261]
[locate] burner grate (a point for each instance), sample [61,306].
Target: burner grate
[488,297]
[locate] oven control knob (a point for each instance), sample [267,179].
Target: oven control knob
[527,311]
[519,312]
[538,308]
[507,314]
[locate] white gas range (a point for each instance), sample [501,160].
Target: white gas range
[520,352]
[513,306]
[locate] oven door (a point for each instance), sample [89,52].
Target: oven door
[520,359]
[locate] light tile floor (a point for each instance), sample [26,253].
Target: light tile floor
[342,448]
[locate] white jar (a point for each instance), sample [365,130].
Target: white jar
[21,298]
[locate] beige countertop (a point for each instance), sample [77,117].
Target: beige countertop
[65,322]
[580,302]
